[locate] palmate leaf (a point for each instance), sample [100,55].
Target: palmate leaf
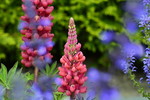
[6,78]
[58,95]
[29,76]
[53,69]
[3,75]
[50,70]
[12,72]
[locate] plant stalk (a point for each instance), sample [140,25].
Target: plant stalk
[36,70]
[72,97]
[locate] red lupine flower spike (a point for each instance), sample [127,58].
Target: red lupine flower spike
[72,70]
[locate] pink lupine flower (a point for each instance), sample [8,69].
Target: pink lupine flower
[36,29]
[72,70]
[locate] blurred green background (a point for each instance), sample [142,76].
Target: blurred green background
[91,18]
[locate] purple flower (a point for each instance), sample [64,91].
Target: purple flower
[99,87]
[145,22]
[95,76]
[131,26]
[125,54]
[110,94]
[44,22]
[18,88]
[134,8]
[2,92]
[141,80]
[42,46]
[121,64]
[30,11]
[37,33]
[50,44]
[23,46]
[145,19]
[22,25]
[107,36]
[132,49]
[42,50]
[96,81]
[57,81]
[128,64]
[43,89]
[41,63]
[146,62]
[129,50]
[146,2]
[39,95]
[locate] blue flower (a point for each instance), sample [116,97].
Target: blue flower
[145,22]
[145,19]
[132,49]
[124,56]
[42,50]
[96,81]
[146,67]
[44,22]
[22,25]
[43,89]
[134,8]
[107,36]
[95,76]
[2,92]
[30,11]
[131,26]
[146,2]
[110,94]
[39,95]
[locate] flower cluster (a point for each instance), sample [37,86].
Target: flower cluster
[36,28]
[107,36]
[145,19]
[125,55]
[72,69]
[99,87]
[146,66]
[146,2]
[43,89]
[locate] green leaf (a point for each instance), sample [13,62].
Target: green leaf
[50,70]
[53,69]
[58,95]
[4,73]
[29,76]
[12,72]
[47,70]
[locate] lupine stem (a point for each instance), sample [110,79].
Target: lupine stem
[72,97]
[36,70]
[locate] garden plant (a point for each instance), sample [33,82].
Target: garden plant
[70,78]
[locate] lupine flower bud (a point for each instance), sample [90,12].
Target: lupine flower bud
[72,70]
[36,28]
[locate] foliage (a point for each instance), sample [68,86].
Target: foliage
[8,81]
[50,70]
[10,38]
[58,95]
[92,17]
[6,78]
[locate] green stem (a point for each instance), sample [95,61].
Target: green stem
[137,84]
